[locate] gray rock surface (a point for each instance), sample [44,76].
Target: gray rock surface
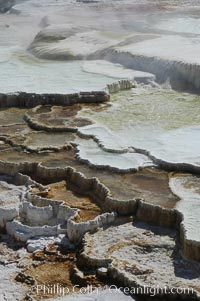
[10,197]
[5,5]
[11,259]
[141,255]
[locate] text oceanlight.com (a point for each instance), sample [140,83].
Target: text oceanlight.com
[59,290]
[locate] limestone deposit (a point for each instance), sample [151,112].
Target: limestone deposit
[139,256]
[117,70]
[99,149]
[74,46]
[39,216]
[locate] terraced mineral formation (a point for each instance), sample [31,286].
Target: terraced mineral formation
[99,187]
[147,112]
[87,208]
[163,56]
[88,151]
[46,165]
[9,199]
[45,220]
[139,255]
[117,71]
[74,46]
[186,187]
[156,54]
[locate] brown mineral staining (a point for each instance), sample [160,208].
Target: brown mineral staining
[4,146]
[88,209]
[148,184]
[61,116]
[55,266]
[49,267]
[48,158]
[14,129]
[11,116]
[51,273]
[37,140]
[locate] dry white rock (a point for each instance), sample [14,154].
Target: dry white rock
[141,255]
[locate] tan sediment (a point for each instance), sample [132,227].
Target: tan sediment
[88,210]
[59,119]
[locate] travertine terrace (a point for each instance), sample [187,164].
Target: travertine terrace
[54,191]
[99,149]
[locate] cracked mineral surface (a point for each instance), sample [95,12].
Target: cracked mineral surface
[99,150]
